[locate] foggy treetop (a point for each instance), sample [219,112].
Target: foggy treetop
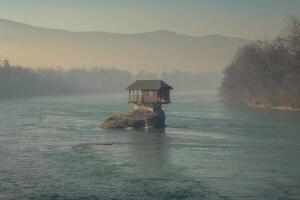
[266,73]
[17,81]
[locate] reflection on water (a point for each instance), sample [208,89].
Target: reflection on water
[152,150]
[53,148]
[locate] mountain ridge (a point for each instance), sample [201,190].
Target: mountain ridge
[115,33]
[155,50]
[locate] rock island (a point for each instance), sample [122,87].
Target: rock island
[146,97]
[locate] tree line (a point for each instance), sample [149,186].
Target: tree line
[18,81]
[266,72]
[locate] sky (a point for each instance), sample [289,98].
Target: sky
[250,19]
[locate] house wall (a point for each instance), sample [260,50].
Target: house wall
[164,96]
[149,96]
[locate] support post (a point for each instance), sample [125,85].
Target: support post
[128,95]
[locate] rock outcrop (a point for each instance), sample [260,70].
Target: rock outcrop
[136,119]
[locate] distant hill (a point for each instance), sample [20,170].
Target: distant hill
[42,47]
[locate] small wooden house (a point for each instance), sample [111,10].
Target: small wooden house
[149,94]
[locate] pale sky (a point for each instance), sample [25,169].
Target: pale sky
[240,18]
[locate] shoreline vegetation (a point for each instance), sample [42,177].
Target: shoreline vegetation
[284,108]
[266,73]
[261,106]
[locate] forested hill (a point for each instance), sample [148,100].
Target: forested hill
[266,73]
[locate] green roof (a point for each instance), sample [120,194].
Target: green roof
[148,85]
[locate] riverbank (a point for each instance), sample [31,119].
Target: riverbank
[284,108]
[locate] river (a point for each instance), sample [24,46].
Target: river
[53,148]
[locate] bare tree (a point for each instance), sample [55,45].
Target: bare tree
[266,72]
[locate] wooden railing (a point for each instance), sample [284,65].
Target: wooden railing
[140,99]
[135,99]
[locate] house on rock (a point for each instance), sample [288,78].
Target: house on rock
[149,94]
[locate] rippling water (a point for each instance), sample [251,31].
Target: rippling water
[53,148]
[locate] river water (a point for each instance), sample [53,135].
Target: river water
[53,148]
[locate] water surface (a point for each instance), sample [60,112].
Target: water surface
[53,148]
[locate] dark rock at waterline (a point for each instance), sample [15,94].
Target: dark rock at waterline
[136,119]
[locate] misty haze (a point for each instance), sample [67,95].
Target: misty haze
[149,100]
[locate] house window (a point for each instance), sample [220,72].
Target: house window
[150,93]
